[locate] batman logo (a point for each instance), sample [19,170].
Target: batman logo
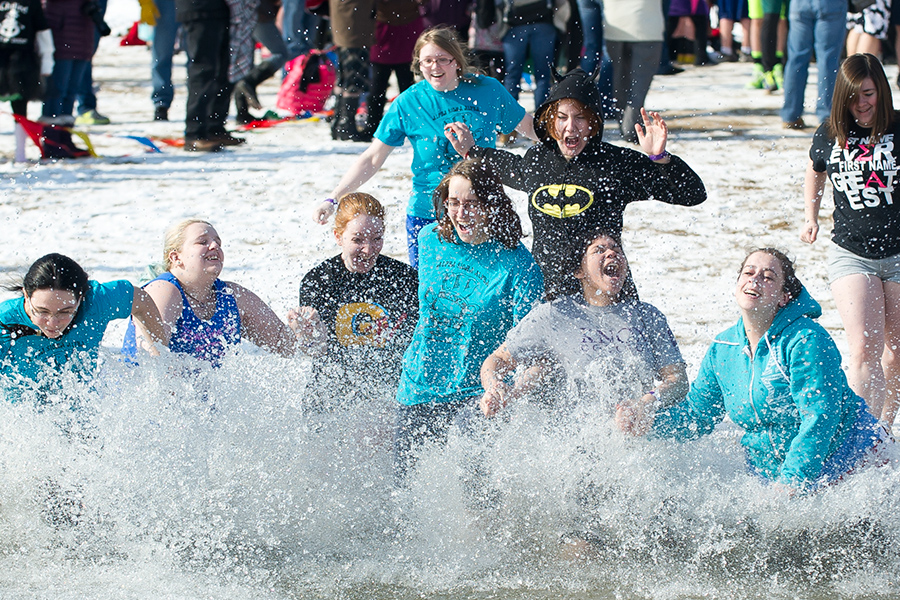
[562,200]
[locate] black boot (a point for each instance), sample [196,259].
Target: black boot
[246,87]
[343,127]
[242,109]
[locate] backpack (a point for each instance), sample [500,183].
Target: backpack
[309,81]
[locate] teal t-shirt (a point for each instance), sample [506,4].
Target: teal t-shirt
[470,296]
[26,359]
[420,114]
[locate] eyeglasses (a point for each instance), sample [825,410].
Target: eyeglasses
[441,60]
[467,205]
[66,314]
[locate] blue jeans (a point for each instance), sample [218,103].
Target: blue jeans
[64,83]
[299,28]
[161,53]
[591,14]
[820,24]
[538,40]
[84,93]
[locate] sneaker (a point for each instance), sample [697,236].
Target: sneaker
[729,57]
[778,74]
[91,117]
[59,120]
[226,139]
[769,83]
[758,79]
[669,69]
[202,146]
[795,124]
[161,113]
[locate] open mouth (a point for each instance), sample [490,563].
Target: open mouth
[751,293]
[612,270]
[572,141]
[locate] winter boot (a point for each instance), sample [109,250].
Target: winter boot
[246,87]
[343,127]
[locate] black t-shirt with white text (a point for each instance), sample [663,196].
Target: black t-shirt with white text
[863,176]
[20,20]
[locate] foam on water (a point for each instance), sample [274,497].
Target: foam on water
[232,485]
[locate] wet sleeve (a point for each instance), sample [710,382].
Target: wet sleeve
[701,410]
[821,147]
[509,166]
[113,300]
[672,183]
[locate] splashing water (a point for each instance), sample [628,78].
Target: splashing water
[235,484]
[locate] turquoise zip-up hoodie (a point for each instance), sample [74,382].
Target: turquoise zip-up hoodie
[792,398]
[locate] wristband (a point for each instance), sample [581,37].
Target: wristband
[659,156]
[331,201]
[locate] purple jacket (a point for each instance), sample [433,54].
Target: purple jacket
[73,32]
[684,8]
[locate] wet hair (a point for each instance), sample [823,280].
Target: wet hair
[447,40]
[54,272]
[352,205]
[792,285]
[174,239]
[853,71]
[547,118]
[503,223]
[578,244]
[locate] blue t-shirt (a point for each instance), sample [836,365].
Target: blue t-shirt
[470,296]
[420,114]
[24,359]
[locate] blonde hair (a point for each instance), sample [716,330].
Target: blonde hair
[174,239]
[352,205]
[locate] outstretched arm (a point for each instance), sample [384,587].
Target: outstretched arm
[260,324]
[359,173]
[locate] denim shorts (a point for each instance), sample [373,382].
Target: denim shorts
[842,262]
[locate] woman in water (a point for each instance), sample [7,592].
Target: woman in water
[360,307]
[630,340]
[477,281]
[855,149]
[449,92]
[59,322]
[576,182]
[203,313]
[777,374]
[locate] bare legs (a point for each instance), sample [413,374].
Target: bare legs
[870,311]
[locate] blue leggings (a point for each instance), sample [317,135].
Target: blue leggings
[413,226]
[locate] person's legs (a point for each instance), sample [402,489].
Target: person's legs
[207,48]
[641,55]
[413,226]
[416,425]
[84,93]
[515,51]
[890,360]
[375,101]
[830,28]
[161,52]
[621,76]
[800,45]
[69,93]
[58,83]
[299,28]
[860,301]
[591,14]
[542,44]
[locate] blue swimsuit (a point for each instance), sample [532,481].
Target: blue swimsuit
[206,340]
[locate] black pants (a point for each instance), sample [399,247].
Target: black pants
[381,75]
[209,92]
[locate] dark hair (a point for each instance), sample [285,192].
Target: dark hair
[576,247]
[854,70]
[54,272]
[792,285]
[546,119]
[503,223]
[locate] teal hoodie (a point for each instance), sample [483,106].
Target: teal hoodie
[792,398]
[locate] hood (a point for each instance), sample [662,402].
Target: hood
[578,85]
[801,306]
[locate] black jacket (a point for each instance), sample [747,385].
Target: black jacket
[566,199]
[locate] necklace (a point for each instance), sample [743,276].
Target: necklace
[205,305]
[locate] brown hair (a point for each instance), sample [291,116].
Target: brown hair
[174,239]
[547,118]
[854,70]
[446,39]
[792,285]
[503,223]
[352,205]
